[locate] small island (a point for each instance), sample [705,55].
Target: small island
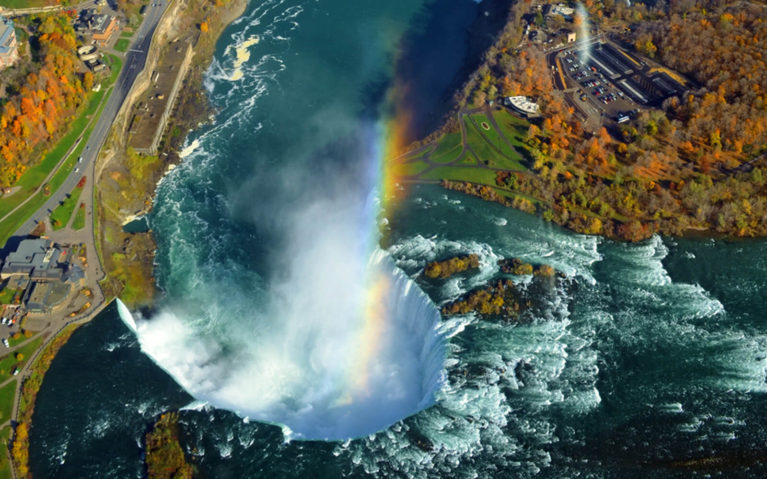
[451,266]
[164,457]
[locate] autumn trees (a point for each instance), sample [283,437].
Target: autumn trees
[42,105]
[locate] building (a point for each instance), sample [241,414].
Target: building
[571,36]
[523,105]
[33,257]
[100,25]
[9,52]
[43,270]
[106,28]
[564,11]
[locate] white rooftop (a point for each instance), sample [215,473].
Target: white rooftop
[524,104]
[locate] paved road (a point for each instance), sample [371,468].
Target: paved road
[132,65]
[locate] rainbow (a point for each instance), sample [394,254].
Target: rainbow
[389,145]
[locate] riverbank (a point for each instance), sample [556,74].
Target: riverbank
[663,169]
[115,156]
[126,180]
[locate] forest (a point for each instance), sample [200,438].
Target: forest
[42,101]
[695,163]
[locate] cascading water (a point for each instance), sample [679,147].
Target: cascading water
[335,380]
[336,343]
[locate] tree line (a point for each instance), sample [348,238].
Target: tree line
[41,105]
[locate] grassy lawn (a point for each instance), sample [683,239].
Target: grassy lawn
[448,149]
[126,34]
[495,139]
[122,44]
[60,216]
[6,295]
[484,150]
[412,169]
[79,222]
[513,127]
[462,173]
[5,466]
[8,362]
[24,3]
[6,400]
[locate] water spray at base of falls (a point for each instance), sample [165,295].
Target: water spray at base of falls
[333,379]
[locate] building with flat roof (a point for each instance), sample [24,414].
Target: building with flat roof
[9,52]
[105,30]
[564,11]
[32,257]
[43,270]
[523,105]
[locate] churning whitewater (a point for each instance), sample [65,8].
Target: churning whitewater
[315,369]
[281,303]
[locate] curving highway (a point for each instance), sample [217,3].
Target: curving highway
[133,64]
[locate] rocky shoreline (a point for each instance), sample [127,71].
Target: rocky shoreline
[126,181]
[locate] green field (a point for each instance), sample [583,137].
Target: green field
[5,465]
[448,149]
[24,3]
[6,400]
[512,159]
[412,169]
[514,128]
[486,152]
[61,215]
[8,362]
[6,295]
[473,174]
[122,44]
[79,222]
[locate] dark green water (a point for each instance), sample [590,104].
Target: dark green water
[646,356]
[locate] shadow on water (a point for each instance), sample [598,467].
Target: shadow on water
[444,44]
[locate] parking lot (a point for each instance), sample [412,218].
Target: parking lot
[616,83]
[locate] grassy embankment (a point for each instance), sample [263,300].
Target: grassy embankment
[121,45]
[7,295]
[35,176]
[7,364]
[61,215]
[29,389]
[17,359]
[79,222]
[26,3]
[5,464]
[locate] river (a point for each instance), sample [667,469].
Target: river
[643,358]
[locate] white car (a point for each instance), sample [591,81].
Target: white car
[77,170]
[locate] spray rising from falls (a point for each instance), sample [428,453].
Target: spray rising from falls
[338,343]
[584,33]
